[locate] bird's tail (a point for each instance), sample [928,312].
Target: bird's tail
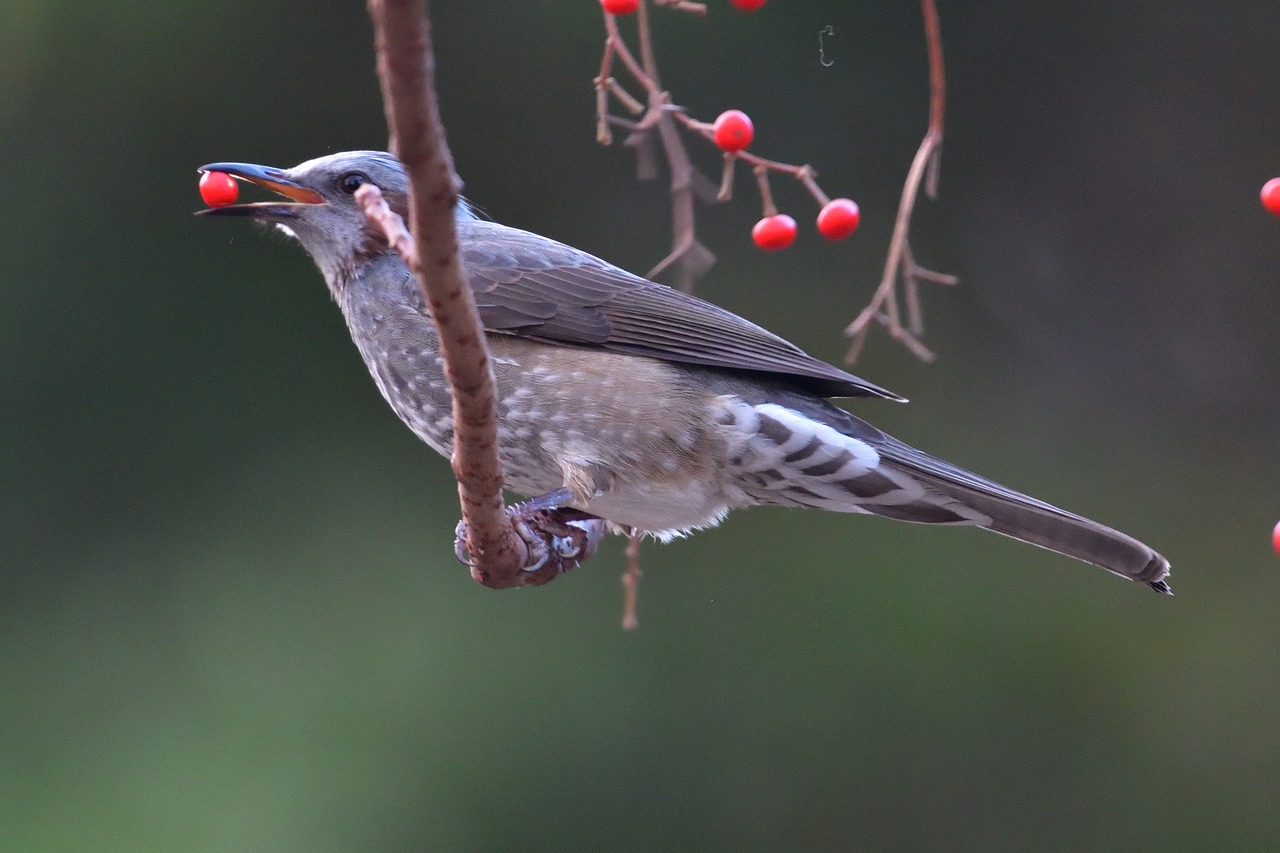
[1024,518]
[824,457]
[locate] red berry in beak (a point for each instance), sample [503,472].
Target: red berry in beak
[218,189]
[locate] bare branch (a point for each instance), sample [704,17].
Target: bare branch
[899,265]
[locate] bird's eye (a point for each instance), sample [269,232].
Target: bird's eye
[351,181]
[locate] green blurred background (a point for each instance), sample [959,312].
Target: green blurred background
[230,618]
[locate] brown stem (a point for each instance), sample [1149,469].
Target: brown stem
[646,44]
[631,583]
[615,45]
[624,97]
[688,258]
[684,6]
[707,131]
[683,223]
[406,73]
[766,195]
[726,177]
[899,265]
[603,135]
[937,73]
[807,177]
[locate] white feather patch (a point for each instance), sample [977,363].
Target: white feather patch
[790,459]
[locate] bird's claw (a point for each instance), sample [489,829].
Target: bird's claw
[558,539]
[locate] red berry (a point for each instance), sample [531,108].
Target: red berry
[620,7]
[774,232]
[218,189]
[1271,196]
[732,130]
[748,5]
[838,218]
[1275,537]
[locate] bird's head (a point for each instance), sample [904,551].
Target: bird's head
[320,210]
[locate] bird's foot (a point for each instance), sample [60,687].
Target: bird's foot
[558,538]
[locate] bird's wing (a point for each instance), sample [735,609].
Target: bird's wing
[534,287]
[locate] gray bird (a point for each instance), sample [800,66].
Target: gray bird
[628,400]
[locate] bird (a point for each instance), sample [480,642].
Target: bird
[630,401]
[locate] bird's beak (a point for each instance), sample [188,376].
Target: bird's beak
[264,176]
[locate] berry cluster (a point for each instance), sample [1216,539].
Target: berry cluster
[733,131]
[653,127]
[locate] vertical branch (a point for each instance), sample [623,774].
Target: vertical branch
[899,264]
[683,225]
[406,67]
[646,45]
[631,582]
[937,91]
[689,257]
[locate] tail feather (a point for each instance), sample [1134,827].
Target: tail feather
[1029,520]
[810,453]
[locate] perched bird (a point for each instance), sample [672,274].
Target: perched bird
[654,410]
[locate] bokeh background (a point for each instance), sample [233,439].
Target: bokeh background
[230,618]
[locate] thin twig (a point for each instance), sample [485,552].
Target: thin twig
[624,97]
[899,265]
[803,172]
[726,177]
[603,134]
[631,582]
[768,208]
[683,224]
[616,46]
[699,9]
[646,45]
